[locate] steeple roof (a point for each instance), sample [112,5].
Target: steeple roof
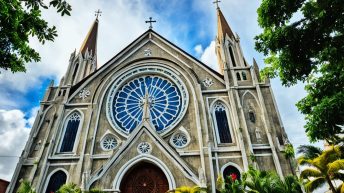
[90,41]
[222,26]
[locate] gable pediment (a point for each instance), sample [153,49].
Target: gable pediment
[130,151]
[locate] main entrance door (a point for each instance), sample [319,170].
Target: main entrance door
[144,178]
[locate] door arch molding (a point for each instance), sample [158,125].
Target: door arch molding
[143,158]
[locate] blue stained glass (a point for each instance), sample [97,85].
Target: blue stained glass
[164,103]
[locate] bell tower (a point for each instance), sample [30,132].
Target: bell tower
[229,52]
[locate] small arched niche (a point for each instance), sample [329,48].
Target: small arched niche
[253,114]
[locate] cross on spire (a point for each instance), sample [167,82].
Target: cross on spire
[150,21]
[217,3]
[98,13]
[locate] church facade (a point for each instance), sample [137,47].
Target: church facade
[153,118]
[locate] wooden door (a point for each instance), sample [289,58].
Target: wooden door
[144,178]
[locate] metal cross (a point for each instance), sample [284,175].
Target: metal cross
[217,3]
[150,21]
[98,13]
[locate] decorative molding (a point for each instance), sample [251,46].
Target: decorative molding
[147,52]
[208,82]
[84,93]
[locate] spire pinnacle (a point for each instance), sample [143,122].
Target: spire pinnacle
[223,27]
[90,41]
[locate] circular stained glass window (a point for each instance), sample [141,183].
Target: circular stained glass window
[109,142]
[179,140]
[164,103]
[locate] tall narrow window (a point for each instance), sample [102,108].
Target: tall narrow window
[71,129]
[252,116]
[222,123]
[238,76]
[56,181]
[244,77]
[232,56]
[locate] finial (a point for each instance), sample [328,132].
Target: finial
[98,13]
[146,104]
[217,3]
[150,21]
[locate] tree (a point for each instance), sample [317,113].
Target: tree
[25,187]
[21,19]
[69,188]
[303,40]
[73,188]
[325,166]
[269,182]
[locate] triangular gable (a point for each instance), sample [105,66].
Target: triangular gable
[145,128]
[75,89]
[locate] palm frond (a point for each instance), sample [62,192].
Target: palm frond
[69,188]
[292,184]
[316,183]
[336,166]
[310,172]
[341,188]
[304,161]
[309,151]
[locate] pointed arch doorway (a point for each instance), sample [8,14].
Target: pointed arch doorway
[144,177]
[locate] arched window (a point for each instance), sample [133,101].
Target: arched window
[238,76]
[232,56]
[222,124]
[244,77]
[231,173]
[70,131]
[56,181]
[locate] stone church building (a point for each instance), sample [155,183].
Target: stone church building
[153,118]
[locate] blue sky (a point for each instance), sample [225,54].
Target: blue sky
[190,24]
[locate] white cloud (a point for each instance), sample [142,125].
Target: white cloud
[14,131]
[209,57]
[198,49]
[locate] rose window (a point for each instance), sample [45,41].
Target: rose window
[164,102]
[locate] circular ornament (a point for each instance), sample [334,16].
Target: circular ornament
[179,139]
[109,142]
[144,148]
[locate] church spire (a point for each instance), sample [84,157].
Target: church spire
[85,62]
[90,42]
[223,27]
